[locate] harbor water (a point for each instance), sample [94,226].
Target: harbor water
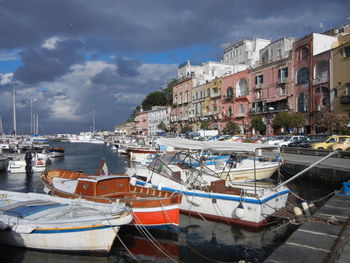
[195,240]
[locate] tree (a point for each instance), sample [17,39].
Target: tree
[297,120]
[185,128]
[334,122]
[162,126]
[257,124]
[156,98]
[231,128]
[282,120]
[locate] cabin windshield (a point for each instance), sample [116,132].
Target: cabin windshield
[161,167]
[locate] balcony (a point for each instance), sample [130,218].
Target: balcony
[281,81]
[258,86]
[320,80]
[345,99]
[215,95]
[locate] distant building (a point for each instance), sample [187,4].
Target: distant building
[141,122]
[126,129]
[156,116]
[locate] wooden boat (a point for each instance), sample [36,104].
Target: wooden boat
[56,152]
[150,207]
[40,221]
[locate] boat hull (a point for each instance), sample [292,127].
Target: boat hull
[63,239]
[233,208]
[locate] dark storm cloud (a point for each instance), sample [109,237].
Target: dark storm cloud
[42,64]
[128,67]
[143,26]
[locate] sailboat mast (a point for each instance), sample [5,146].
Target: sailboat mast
[14,110]
[93,122]
[31,114]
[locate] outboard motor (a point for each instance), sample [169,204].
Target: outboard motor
[28,159]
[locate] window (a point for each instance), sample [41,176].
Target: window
[303,53]
[347,89]
[259,79]
[229,111]
[259,94]
[241,109]
[283,91]
[301,104]
[282,74]
[347,51]
[303,76]
[215,109]
[208,92]
[335,93]
[229,94]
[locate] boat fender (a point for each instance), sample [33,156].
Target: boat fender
[159,187]
[312,208]
[305,207]
[297,211]
[133,181]
[239,211]
[23,229]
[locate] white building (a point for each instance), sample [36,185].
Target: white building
[276,50]
[205,72]
[244,52]
[157,115]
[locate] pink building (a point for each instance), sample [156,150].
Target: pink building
[141,123]
[235,101]
[311,66]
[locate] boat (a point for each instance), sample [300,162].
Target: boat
[248,203]
[39,221]
[28,163]
[55,152]
[150,207]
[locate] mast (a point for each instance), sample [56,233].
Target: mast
[31,114]
[14,110]
[93,122]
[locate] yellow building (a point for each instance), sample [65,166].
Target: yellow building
[340,74]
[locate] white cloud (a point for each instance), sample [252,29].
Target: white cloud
[5,78]
[129,98]
[51,42]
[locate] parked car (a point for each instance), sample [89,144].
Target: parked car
[278,139]
[343,145]
[329,142]
[308,140]
[290,140]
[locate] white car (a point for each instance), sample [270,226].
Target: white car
[278,139]
[290,140]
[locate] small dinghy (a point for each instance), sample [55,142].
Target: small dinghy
[40,221]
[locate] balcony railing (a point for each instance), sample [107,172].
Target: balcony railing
[258,86]
[320,80]
[215,95]
[345,99]
[282,80]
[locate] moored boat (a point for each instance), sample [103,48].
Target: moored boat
[56,152]
[150,207]
[40,221]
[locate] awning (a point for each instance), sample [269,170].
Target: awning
[277,98]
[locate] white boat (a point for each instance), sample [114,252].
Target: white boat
[204,195]
[40,221]
[56,152]
[30,163]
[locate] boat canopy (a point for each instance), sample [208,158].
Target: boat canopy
[215,146]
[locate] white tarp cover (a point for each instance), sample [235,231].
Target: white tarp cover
[215,146]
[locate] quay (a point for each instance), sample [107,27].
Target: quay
[324,236]
[333,170]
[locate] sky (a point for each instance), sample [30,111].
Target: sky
[73,57]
